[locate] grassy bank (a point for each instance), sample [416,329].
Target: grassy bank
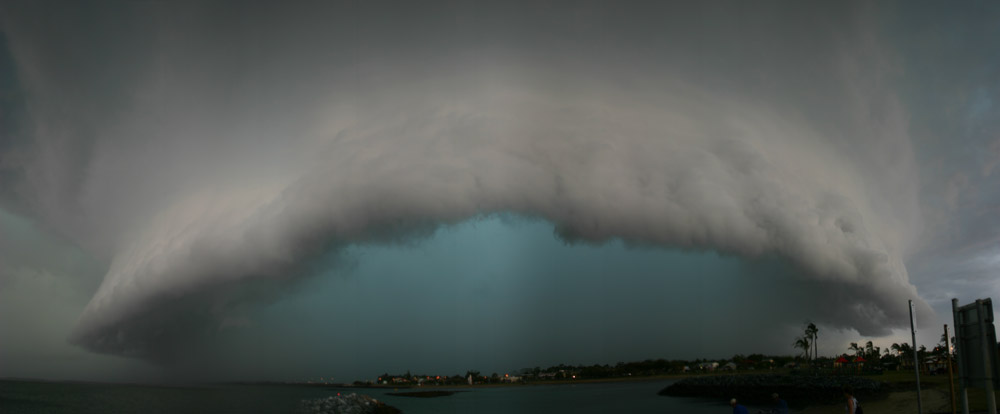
[798,390]
[935,396]
[900,398]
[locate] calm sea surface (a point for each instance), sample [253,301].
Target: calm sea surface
[633,397]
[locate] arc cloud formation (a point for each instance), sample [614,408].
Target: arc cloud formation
[211,154]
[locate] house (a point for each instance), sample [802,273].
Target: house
[510,378]
[936,365]
[729,367]
[708,366]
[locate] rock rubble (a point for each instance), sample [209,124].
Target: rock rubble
[347,404]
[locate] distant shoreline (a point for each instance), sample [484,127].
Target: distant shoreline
[522,384]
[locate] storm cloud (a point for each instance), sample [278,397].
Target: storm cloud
[213,154]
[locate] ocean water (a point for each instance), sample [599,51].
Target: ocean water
[18,397]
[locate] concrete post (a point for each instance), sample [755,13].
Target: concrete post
[958,356]
[991,402]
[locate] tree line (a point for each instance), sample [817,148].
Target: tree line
[900,354]
[648,367]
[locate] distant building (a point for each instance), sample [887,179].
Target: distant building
[708,366]
[934,365]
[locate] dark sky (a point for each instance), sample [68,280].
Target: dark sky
[263,191]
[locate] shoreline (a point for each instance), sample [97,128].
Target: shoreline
[524,384]
[901,397]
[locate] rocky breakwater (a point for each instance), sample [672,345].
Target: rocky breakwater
[797,390]
[347,404]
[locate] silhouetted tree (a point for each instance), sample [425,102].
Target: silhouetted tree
[855,348]
[803,344]
[813,332]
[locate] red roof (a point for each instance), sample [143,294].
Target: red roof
[842,360]
[859,359]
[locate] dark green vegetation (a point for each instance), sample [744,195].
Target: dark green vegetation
[869,359]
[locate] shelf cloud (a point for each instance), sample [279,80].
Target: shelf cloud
[213,155]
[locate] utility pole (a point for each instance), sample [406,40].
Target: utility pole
[916,362]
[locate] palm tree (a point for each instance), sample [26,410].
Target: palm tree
[869,350]
[854,347]
[803,344]
[813,332]
[897,350]
[902,350]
